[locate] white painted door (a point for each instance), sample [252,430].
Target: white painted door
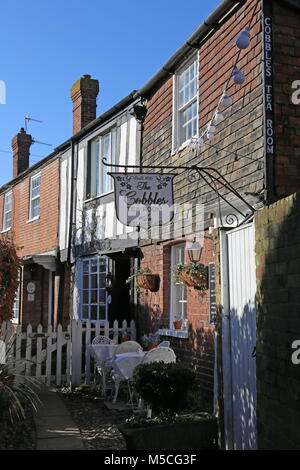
[239,337]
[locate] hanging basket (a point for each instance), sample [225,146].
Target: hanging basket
[195,278]
[148,281]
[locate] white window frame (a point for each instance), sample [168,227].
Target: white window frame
[178,286]
[85,308]
[5,226]
[177,140]
[31,199]
[102,183]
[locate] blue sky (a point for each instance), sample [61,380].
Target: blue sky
[48,45]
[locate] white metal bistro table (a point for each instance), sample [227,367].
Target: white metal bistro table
[102,353]
[123,366]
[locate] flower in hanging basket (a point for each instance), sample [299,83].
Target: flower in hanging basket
[193,275]
[145,279]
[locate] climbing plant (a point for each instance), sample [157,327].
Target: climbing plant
[9,267]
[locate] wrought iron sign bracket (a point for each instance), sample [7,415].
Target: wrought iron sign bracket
[212,178]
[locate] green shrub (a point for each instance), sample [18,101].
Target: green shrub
[165,387]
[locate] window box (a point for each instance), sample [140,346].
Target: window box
[183,334]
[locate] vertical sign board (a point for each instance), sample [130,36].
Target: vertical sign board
[212,293]
[269,130]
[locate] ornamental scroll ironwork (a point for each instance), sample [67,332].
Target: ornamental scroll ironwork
[213,179]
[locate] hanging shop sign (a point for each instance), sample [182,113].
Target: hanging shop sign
[144,199]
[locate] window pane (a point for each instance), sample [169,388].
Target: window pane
[102,313]
[35,208]
[94,312]
[102,265]
[86,281]
[94,265]
[94,281]
[102,296]
[85,298]
[94,296]
[86,265]
[85,313]
[102,281]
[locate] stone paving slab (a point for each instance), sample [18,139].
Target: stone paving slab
[54,425]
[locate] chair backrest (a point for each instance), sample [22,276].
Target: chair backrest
[162,353]
[165,344]
[100,339]
[127,346]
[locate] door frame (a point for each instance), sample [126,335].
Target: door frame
[226,335]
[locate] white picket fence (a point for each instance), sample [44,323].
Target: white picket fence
[58,356]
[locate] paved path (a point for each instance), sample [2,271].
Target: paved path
[54,426]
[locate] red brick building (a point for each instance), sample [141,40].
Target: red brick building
[29,206]
[254,144]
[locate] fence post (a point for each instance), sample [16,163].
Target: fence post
[28,350]
[76,353]
[133,330]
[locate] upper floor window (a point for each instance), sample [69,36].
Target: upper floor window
[7,213]
[98,182]
[34,207]
[185,125]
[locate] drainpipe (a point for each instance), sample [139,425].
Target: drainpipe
[72,195]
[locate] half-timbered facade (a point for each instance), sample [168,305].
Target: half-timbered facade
[99,248]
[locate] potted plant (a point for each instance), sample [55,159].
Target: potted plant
[145,279]
[150,341]
[177,323]
[125,336]
[176,422]
[193,275]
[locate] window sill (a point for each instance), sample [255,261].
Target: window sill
[182,146]
[184,334]
[6,230]
[32,220]
[98,197]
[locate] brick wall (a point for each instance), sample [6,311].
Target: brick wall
[286,37]
[240,132]
[40,235]
[198,349]
[278,323]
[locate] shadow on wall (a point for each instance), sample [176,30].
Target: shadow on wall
[278,323]
[196,351]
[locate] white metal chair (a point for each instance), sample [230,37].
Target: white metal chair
[165,344]
[161,353]
[101,339]
[127,346]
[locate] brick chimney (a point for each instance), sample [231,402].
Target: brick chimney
[21,146]
[83,94]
